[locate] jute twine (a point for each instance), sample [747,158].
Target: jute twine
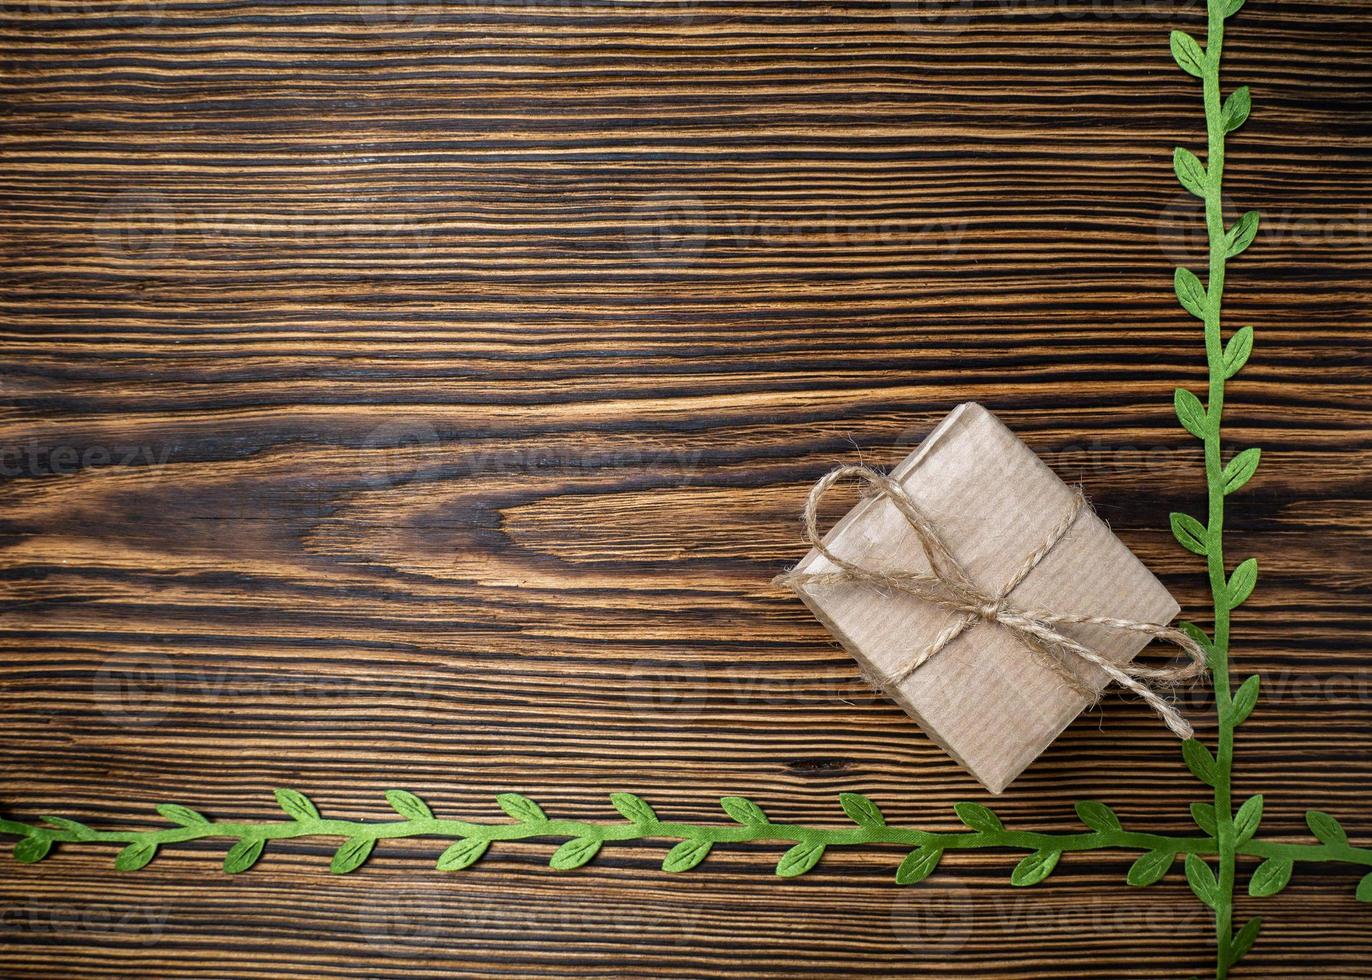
[948,585]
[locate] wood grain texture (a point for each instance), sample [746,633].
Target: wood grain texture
[423,395]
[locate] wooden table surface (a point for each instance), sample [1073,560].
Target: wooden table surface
[424,395]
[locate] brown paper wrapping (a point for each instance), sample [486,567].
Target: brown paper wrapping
[986,698]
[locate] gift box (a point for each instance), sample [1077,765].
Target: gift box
[992,699]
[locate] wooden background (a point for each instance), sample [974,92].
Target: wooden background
[423,395]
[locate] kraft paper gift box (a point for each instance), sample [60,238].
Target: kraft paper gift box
[987,699]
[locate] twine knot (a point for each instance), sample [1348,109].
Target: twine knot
[948,585]
[991,610]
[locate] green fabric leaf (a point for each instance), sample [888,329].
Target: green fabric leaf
[1190,171]
[1237,350]
[1245,699]
[1097,816]
[1325,828]
[79,830]
[1241,235]
[462,854]
[918,864]
[521,808]
[686,855]
[351,853]
[1270,877]
[1246,936]
[1240,470]
[1190,412]
[575,853]
[1196,633]
[1188,54]
[861,810]
[1189,532]
[408,805]
[1190,292]
[135,856]
[1204,816]
[1232,7]
[1034,868]
[744,811]
[1202,881]
[1242,581]
[297,805]
[1199,761]
[978,817]
[1235,112]
[1364,893]
[799,859]
[33,849]
[183,815]
[633,809]
[1247,819]
[1150,868]
[243,855]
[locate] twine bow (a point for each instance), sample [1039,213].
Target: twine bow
[947,585]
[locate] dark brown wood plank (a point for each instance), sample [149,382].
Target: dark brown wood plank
[424,394]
